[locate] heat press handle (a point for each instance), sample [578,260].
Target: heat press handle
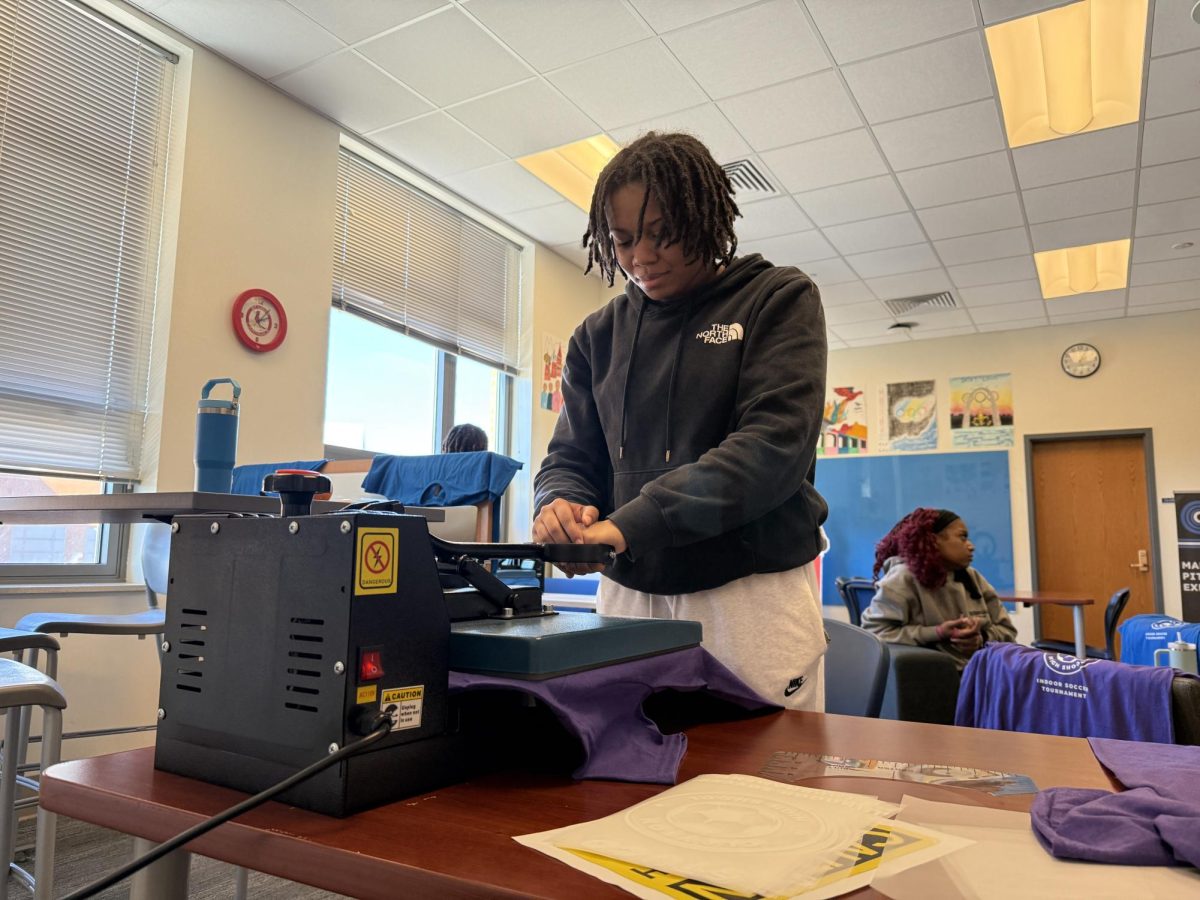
[577,553]
[495,591]
[555,553]
[296,488]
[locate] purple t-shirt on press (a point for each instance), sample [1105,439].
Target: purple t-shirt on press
[1016,688]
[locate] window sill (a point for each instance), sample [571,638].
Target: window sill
[68,587]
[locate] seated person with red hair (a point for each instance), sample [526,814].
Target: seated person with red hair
[929,595]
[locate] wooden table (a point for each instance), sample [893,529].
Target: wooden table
[1057,598]
[457,842]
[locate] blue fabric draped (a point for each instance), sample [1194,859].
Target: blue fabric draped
[445,479]
[249,479]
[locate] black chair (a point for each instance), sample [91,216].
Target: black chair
[1112,614]
[856,667]
[922,685]
[857,594]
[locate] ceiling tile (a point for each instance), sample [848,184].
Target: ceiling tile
[549,34]
[993,271]
[893,261]
[445,57]
[573,254]
[1110,226]
[1079,198]
[559,223]
[1162,218]
[872,310]
[749,49]
[856,30]
[921,79]
[791,249]
[353,20]
[1080,156]
[704,122]
[235,30]
[892,287]
[876,234]
[1173,81]
[858,330]
[1141,295]
[941,136]
[1171,138]
[849,156]
[962,179]
[1158,309]
[826,105]
[849,202]
[888,337]
[1084,303]
[972,217]
[667,15]
[503,189]
[525,118]
[612,88]
[1001,10]
[978,247]
[768,218]
[350,90]
[827,272]
[1174,29]
[1165,271]
[1174,181]
[1012,326]
[1095,316]
[989,294]
[846,294]
[1007,312]
[835,344]
[437,145]
[1160,246]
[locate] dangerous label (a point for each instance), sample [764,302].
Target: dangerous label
[403,706]
[375,562]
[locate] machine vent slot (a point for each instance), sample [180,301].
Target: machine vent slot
[193,625]
[190,652]
[301,707]
[307,673]
[198,659]
[298,654]
[302,690]
[195,612]
[306,636]
[296,621]
[188,687]
[315,638]
[193,673]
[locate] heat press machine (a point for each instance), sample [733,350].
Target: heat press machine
[288,636]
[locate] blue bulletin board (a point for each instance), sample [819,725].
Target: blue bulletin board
[867,495]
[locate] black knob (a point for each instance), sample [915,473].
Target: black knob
[296,488]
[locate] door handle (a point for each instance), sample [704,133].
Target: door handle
[1143,563]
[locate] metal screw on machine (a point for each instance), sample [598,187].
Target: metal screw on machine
[214,527]
[162,713]
[345,527]
[165,646]
[174,527]
[338,668]
[333,748]
[293,527]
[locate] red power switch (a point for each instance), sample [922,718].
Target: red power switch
[370,665]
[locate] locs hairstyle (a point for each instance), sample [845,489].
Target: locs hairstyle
[692,190]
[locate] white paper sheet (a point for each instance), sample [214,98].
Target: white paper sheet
[1007,861]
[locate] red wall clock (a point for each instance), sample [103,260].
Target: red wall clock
[259,320]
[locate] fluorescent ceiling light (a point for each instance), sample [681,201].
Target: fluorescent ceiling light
[572,169]
[1082,270]
[1069,70]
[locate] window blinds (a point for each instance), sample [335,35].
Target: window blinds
[84,118]
[405,259]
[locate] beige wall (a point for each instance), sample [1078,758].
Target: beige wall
[1145,381]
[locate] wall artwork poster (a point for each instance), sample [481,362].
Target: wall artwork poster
[553,353]
[910,416]
[844,422]
[981,410]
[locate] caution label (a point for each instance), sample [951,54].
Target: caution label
[375,562]
[403,706]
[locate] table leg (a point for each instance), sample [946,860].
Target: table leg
[166,879]
[1080,643]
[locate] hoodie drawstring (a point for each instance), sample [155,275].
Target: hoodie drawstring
[637,332]
[683,327]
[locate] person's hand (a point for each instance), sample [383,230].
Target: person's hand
[948,630]
[969,643]
[604,532]
[563,522]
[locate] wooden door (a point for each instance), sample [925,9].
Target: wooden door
[1091,519]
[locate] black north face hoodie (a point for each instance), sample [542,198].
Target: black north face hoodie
[693,423]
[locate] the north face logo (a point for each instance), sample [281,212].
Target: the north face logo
[721,334]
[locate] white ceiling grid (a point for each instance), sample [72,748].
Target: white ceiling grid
[877,120]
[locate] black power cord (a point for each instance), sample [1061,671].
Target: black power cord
[378,730]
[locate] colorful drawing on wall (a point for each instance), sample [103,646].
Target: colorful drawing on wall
[844,422]
[552,366]
[981,410]
[910,416]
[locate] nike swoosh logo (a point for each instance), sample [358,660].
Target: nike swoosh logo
[790,689]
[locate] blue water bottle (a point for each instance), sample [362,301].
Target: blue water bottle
[216,438]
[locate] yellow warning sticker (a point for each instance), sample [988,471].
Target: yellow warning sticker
[367,694]
[403,706]
[375,562]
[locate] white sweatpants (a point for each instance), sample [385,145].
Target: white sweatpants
[765,628]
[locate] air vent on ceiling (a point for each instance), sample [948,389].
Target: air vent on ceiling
[903,305]
[748,183]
